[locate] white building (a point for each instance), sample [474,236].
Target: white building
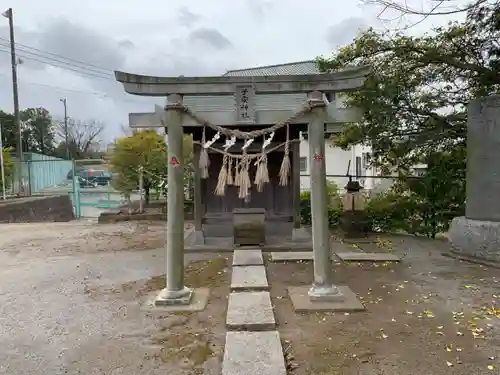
[337,160]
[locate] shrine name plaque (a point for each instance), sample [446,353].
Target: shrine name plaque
[249,226]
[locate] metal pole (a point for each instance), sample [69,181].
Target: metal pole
[2,165]
[17,114]
[64,102]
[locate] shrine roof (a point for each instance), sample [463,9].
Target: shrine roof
[293,68]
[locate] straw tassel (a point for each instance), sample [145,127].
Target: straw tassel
[237,176]
[220,189]
[230,172]
[204,161]
[285,164]
[262,173]
[245,182]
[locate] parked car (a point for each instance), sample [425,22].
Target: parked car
[100,177]
[78,172]
[85,183]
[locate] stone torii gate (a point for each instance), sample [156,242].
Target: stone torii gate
[182,90]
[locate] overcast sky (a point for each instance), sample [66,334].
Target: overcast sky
[168,38]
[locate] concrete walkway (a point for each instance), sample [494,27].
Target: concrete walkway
[253,344]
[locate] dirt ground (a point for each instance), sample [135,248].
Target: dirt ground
[72,301]
[428,315]
[80,237]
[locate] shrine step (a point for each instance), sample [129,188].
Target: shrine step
[253,353]
[247,257]
[251,311]
[249,278]
[224,228]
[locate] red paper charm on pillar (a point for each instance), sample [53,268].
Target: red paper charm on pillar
[318,157]
[174,161]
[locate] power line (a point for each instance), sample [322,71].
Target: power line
[56,55]
[100,95]
[88,69]
[59,61]
[62,67]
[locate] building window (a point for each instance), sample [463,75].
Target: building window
[303,164]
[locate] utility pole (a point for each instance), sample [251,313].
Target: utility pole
[65,126]
[2,166]
[17,114]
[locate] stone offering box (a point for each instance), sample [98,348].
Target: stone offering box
[249,226]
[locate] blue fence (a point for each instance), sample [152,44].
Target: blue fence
[48,175]
[41,171]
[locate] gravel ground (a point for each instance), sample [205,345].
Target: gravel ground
[70,301]
[71,297]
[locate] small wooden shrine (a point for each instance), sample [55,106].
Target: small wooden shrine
[247,147]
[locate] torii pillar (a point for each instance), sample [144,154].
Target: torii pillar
[176,295]
[323,295]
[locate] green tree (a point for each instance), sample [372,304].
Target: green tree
[38,131]
[7,122]
[144,149]
[415,101]
[414,106]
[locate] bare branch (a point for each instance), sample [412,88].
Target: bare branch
[433,10]
[83,136]
[402,9]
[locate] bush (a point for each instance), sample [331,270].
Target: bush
[419,207]
[389,211]
[334,205]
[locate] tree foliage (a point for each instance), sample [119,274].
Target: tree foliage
[37,130]
[414,109]
[415,101]
[425,205]
[146,149]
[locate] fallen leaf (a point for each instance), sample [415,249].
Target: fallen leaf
[449,363]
